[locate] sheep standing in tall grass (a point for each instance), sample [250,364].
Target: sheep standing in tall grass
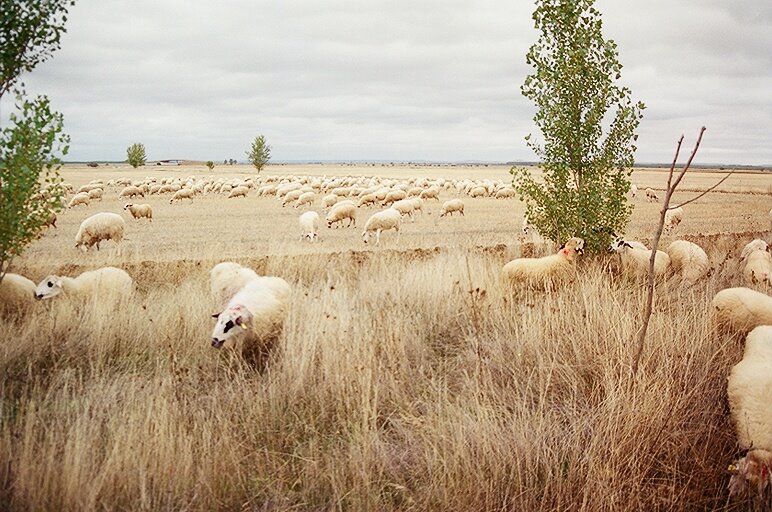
[740,309]
[382,221]
[226,279]
[16,293]
[688,259]
[758,262]
[636,260]
[99,227]
[673,218]
[749,388]
[546,272]
[106,281]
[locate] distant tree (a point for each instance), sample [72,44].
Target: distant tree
[135,155]
[210,165]
[232,161]
[30,185]
[225,162]
[586,175]
[260,153]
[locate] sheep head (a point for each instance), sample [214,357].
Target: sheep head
[752,473]
[573,246]
[49,287]
[227,323]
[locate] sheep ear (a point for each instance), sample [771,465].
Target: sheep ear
[217,315]
[58,283]
[562,247]
[625,244]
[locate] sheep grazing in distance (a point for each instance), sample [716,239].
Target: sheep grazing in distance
[749,388]
[139,211]
[546,272]
[309,226]
[367,200]
[306,198]
[79,198]
[16,293]
[673,218]
[393,196]
[651,196]
[342,211]
[238,192]
[449,207]
[505,193]
[329,200]
[478,192]
[101,283]
[405,207]
[257,313]
[636,260]
[183,193]
[291,197]
[758,262]
[688,259]
[98,227]
[95,193]
[430,193]
[740,310]
[633,190]
[225,281]
[131,191]
[382,221]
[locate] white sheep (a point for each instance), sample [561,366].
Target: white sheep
[342,211]
[505,193]
[131,191]
[139,211]
[78,199]
[405,207]
[382,221]
[98,227]
[545,272]
[636,260]
[673,218]
[367,200]
[102,283]
[689,259]
[16,292]
[478,192]
[430,193]
[633,190]
[257,312]
[740,309]
[183,193]
[95,193]
[451,206]
[749,388]
[329,200]
[225,281]
[309,226]
[651,196]
[291,197]
[758,262]
[393,196]
[240,191]
[305,198]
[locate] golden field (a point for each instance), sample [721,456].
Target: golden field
[405,379]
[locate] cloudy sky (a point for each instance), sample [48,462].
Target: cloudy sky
[390,79]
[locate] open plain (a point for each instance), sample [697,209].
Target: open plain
[405,378]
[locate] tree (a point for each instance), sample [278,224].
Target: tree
[586,168]
[210,165]
[30,186]
[135,154]
[260,153]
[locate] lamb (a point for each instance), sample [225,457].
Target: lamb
[305,198]
[104,282]
[225,281]
[183,193]
[341,211]
[673,218]
[131,191]
[382,221]
[240,191]
[309,225]
[651,196]
[636,260]
[449,207]
[749,387]
[139,211]
[758,262]
[545,272]
[740,310]
[689,259]
[257,311]
[16,292]
[79,198]
[98,227]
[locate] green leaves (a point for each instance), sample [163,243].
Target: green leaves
[135,155]
[260,153]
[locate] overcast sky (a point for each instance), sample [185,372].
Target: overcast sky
[390,79]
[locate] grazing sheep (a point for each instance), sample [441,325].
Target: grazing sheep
[633,190]
[367,200]
[329,200]
[291,197]
[758,262]
[79,198]
[16,293]
[257,311]
[309,225]
[689,259]
[405,207]
[545,272]
[505,193]
[478,192]
[183,193]
[131,191]
[651,196]
[636,260]
[305,198]
[449,207]
[51,220]
[95,193]
[225,281]
[414,191]
[98,227]
[341,211]
[393,196]
[139,211]
[241,191]
[673,218]
[382,221]
[430,193]
[749,388]
[740,310]
[106,281]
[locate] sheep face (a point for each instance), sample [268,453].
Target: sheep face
[128,206]
[230,322]
[577,244]
[752,473]
[49,287]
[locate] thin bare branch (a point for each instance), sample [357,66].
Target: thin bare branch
[689,162]
[675,159]
[702,193]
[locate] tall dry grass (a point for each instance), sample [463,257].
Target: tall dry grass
[403,381]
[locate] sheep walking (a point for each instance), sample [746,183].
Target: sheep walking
[452,206]
[78,199]
[740,310]
[651,196]
[102,283]
[344,210]
[130,192]
[139,211]
[546,272]
[758,262]
[183,193]
[238,192]
[309,226]
[636,260]
[633,190]
[225,281]
[16,293]
[688,259]
[382,221]
[306,198]
[749,388]
[99,227]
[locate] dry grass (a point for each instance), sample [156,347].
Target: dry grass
[404,379]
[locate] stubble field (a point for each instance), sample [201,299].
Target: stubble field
[405,379]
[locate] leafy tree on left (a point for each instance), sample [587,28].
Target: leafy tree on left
[30,185]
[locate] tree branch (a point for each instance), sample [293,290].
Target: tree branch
[703,193]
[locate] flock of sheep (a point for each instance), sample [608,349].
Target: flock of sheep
[252,308]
